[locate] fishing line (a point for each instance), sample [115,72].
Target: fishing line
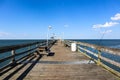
[99,44]
[102,37]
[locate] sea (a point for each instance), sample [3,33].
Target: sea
[17,42]
[111,43]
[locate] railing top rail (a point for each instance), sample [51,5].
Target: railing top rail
[101,48]
[13,47]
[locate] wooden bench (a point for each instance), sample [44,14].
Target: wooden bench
[42,48]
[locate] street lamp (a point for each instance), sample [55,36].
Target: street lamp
[49,27]
[63,33]
[62,36]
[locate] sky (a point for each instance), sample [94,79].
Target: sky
[69,19]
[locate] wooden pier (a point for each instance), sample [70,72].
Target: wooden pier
[60,64]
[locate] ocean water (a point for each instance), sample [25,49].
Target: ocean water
[16,42]
[112,43]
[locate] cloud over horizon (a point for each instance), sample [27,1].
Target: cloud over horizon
[107,24]
[116,17]
[4,34]
[8,35]
[106,32]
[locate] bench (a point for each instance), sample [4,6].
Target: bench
[42,48]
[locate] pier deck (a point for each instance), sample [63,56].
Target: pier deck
[61,64]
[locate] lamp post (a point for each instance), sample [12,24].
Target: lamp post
[49,27]
[63,33]
[62,36]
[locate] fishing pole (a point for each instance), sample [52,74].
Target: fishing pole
[99,43]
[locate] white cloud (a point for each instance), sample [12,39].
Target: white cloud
[116,17]
[106,32]
[107,24]
[6,35]
[2,34]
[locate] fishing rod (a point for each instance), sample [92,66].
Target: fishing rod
[102,37]
[99,43]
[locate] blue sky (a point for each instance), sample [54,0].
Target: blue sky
[71,19]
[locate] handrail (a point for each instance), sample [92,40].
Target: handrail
[13,47]
[9,57]
[102,48]
[97,56]
[114,51]
[27,52]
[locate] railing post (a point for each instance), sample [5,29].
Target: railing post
[99,54]
[84,47]
[13,54]
[77,48]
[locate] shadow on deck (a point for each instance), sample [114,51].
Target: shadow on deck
[20,66]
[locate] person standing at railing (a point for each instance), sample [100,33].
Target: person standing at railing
[47,49]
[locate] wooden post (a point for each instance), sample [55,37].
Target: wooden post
[99,54]
[13,54]
[85,50]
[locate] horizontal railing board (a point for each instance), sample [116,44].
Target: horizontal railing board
[110,61]
[10,64]
[14,47]
[101,57]
[101,48]
[89,51]
[9,57]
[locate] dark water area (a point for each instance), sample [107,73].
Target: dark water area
[16,42]
[112,43]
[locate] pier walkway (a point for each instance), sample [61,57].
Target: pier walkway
[60,64]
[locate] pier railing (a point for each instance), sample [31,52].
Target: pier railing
[12,55]
[109,58]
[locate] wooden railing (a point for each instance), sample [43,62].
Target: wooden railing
[16,51]
[109,58]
